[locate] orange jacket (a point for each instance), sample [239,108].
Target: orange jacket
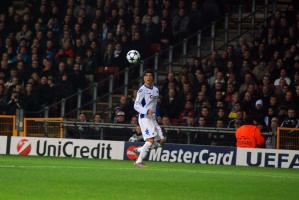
[249,136]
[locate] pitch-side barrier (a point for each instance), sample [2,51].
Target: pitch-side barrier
[176,153]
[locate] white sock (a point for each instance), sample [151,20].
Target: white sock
[145,148]
[139,149]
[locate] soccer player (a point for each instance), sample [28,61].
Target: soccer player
[145,104]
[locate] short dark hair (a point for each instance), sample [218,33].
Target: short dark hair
[148,71]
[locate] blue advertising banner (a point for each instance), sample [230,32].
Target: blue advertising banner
[186,154]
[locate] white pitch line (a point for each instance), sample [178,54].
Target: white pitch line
[151,169]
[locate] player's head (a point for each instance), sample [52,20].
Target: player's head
[148,77]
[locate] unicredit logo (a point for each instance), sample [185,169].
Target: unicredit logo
[131,154]
[24,147]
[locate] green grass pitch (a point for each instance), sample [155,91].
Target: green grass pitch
[43,178]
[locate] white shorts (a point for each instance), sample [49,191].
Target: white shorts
[150,128]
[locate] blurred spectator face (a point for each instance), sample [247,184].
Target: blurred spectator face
[266,80]
[239,115]
[282,82]
[186,88]
[165,13]
[220,104]
[230,89]
[273,101]
[97,118]
[220,112]
[247,96]
[200,77]
[122,100]
[134,120]
[204,111]
[219,124]
[64,77]
[163,24]
[165,121]
[28,88]
[201,121]
[44,80]
[270,111]
[200,96]
[190,120]
[18,89]
[297,90]
[237,124]
[120,117]
[82,117]
[14,81]
[283,73]
[188,105]
[282,111]
[274,123]
[170,77]
[203,88]
[181,12]
[76,67]
[288,96]
[218,96]
[137,20]
[13,73]
[150,11]
[291,113]
[250,88]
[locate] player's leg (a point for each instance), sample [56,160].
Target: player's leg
[144,151]
[160,138]
[148,133]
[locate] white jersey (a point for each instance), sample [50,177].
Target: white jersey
[146,99]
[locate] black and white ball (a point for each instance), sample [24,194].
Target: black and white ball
[133,56]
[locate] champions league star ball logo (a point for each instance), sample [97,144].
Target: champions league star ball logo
[24,147]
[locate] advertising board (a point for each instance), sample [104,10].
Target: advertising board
[186,154]
[97,149]
[3,141]
[268,158]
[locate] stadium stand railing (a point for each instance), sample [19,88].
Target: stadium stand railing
[122,132]
[287,138]
[40,127]
[8,125]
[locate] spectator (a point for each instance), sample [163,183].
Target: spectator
[283,76]
[119,117]
[136,135]
[95,131]
[180,24]
[249,135]
[290,121]
[170,105]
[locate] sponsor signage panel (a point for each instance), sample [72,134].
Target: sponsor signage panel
[268,158]
[186,154]
[3,141]
[97,149]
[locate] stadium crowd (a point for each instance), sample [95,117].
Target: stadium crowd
[51,48]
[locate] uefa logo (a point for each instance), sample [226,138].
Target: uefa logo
[23,147]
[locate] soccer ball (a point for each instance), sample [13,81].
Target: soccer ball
[133,56]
